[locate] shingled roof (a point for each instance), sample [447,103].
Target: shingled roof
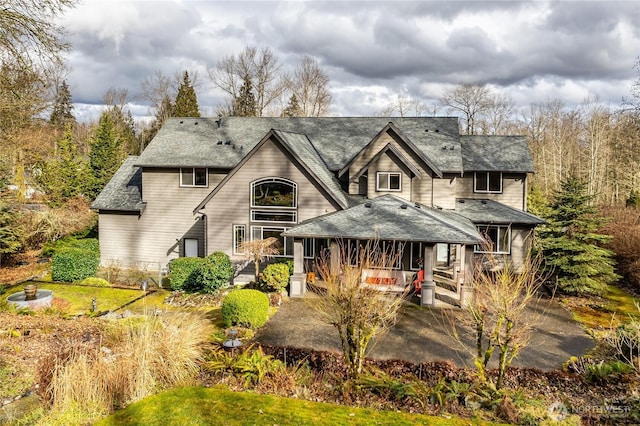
[491,212]
[390,218]
[223,142]
[496,153]
[124,190]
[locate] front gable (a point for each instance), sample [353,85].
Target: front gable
[229,206]
[391,152]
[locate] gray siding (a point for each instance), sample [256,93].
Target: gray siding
[158,234]
[444,191]
[513,190]
[413,189]
[231,204]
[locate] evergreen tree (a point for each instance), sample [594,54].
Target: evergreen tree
[244,105]
[106,154]
[64,176]
[62,114]
[571,244]
[293,108]
[186,104]
[10,230]
[162,114]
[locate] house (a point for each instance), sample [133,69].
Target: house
[208,184]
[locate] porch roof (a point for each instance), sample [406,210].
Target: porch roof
[390,218]
[490,212]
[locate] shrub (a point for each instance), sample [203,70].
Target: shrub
[275,276]
[246,308]
[212,274]
[76,261]
[288,262]
[95,282]
[181,271]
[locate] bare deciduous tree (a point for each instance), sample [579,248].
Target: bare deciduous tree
[497,317]
[359,311]
[405,106]
[29,32]
[471,101]
[263,67]
[260,250]
[310,85]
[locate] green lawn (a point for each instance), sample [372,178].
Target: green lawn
[615,307]
[76,299]
[218,406]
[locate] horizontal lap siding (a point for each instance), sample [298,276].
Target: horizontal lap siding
[512,195]
[386,164]
[444,191]
[417,190]
[520,246]
[231,204]
[167,219]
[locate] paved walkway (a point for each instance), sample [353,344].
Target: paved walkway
[420,335]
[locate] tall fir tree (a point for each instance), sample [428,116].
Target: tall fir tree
[106,154]
[293,109]
[62,113]
[65,175]
[11,232]
[186,104]
[571,244]
[244,105]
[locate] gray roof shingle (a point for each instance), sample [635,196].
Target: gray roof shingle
[492,212]
[202,142]
[390,218]
[496,153]
[124,190]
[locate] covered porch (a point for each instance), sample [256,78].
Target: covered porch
[435,246]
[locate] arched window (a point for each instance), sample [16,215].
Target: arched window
[274,193]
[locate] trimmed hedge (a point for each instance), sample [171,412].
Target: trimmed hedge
[245,308]
[181,270]
[74,264]
[214,273]
[275,276]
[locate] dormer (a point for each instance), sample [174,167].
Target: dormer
[391,164]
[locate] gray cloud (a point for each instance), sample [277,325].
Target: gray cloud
[371,50]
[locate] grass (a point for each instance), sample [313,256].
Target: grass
[614,308]
[146,355]
[77,299]
[202,406]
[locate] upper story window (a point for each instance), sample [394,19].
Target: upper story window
[194,176]
[274,193]
[487,182]
[388,181]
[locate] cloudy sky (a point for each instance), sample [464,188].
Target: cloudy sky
[372,51]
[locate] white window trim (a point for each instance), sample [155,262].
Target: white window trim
[273,179]
[478,249]
[389,174]
[486,191]
[235,240]
[261,229]
[193,174]
[309,243]
[293,213]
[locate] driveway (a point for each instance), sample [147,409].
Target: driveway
[422,334]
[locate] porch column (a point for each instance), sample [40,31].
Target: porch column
[466,278]
[458,262]
[428,285]
[298,281]
[334,259]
